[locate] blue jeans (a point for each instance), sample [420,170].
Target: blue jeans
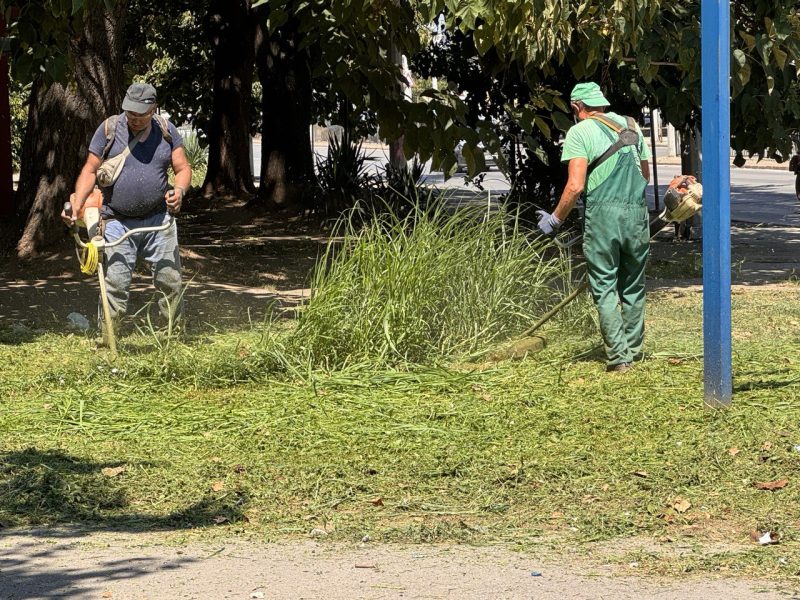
[159,248]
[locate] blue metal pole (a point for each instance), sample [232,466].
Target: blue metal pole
[715,48]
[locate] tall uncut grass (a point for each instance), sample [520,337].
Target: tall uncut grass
[426,285]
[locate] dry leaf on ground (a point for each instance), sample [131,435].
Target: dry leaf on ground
[733,451]
[377,501]
[112,471]
[681,505]
[217,486]
[771,486]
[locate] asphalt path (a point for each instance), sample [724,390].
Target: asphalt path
[757,195]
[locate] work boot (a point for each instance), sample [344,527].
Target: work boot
[620,368]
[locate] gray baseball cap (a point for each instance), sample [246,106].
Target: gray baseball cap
[140,98]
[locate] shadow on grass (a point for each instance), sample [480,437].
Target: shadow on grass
[765,384]
[16,335]
[53,488]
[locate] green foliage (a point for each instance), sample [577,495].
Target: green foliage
[533,52]
[765,39]
[643,52]
[18,98]
[344,176]
[347,46]
[349,181]
[403,188]
[39,33]
[197,155]
[427,285]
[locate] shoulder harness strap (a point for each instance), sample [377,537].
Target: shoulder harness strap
[110,129]
[627,136]
[162,123]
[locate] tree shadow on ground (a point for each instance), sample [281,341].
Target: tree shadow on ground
[763,381]
[71,497]
[240,266]
[52,487]
[17,334]
[22,576]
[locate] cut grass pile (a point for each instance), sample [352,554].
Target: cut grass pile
[548,449]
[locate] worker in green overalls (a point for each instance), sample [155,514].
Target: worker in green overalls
[616,236]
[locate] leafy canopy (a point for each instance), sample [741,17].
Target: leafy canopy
[39,33]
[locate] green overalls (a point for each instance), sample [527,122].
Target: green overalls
[616,240]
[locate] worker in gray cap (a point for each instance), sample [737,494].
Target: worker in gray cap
[129,158]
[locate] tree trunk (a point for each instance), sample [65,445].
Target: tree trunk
[231,31]
[61,121]
[397,157]
[287,164]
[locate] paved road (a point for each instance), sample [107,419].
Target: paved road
[56,564]
[757,195]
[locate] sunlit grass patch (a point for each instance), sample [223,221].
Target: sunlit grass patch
[210,434]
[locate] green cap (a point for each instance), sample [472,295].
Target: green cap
[588,93]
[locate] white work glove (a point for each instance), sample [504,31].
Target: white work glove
[548,223]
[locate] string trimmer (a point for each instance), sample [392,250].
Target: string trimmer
[682,200]
[90,252]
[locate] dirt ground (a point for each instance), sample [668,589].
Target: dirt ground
[70,564]
[240,265]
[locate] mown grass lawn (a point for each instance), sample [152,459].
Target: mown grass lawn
[548,450]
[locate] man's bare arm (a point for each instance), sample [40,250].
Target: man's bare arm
[576,183]
[83,186]
[645,169]
[183,179]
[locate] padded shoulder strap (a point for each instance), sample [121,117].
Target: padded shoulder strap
[110,129]
[610,123]
[627,136]
[162,123]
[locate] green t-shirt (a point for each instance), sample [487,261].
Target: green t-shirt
[588,139]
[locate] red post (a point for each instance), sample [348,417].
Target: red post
[6,170]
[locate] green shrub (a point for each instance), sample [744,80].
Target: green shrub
[197,155]
[402,189]
[343,176]
[424,286]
